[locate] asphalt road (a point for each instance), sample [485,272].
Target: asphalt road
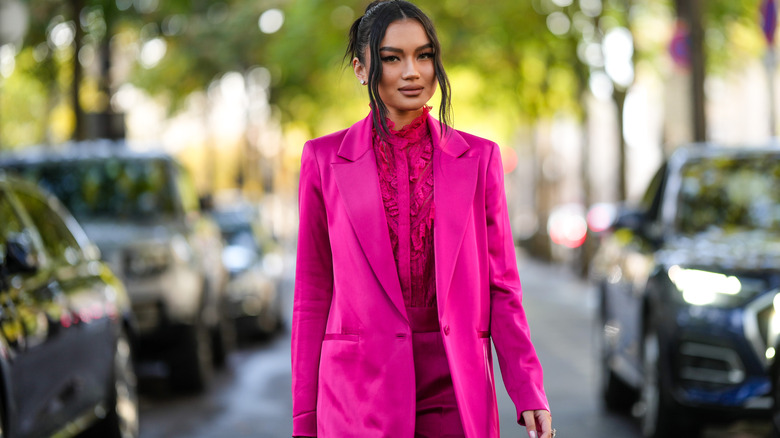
[251,397]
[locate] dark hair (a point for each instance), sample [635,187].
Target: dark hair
[369,30]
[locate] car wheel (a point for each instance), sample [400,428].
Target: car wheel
[191,366]
[224,339]
[616,395]
[658,418]
[2,419]
[776,397]
[122,418]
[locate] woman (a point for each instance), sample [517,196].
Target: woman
[406,266]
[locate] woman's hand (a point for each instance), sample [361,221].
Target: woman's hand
[538,424]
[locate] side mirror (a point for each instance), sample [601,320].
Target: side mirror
[18,256]
[634,220]
[638,222]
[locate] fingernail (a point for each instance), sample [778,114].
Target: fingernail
[532,434]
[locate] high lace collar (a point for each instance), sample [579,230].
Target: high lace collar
[412,132]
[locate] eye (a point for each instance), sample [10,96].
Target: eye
[389,58]
[426,55]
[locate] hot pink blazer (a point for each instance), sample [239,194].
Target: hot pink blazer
[352,364]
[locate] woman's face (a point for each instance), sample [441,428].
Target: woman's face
[408,77]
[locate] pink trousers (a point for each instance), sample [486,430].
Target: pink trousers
[437,408]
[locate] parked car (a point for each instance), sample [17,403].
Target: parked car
[254,264]
[65,325]
[688,280]
[142,211]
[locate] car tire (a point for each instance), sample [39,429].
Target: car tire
[224,340]
[2,418]
[616,395]
[657,413]
[122,416]
[192,366]
[776,398]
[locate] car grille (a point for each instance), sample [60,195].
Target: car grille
[147,315]
[709,366]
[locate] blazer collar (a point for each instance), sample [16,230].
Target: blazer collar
[357,140]
[455,179]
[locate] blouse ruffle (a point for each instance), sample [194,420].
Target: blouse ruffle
[404,163]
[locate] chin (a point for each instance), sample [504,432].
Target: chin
[413,107]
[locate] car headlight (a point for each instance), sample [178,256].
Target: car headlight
[702,288]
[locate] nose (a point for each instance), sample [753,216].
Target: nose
[410,71]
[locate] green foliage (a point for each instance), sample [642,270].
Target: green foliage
[506,60]
[26,95]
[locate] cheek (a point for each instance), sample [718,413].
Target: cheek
[430,72]
[389,77]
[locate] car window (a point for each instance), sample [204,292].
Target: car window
[112,188]
[57,239]
[651,200]
[12,226]
[729,194]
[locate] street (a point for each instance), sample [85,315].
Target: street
[251,397]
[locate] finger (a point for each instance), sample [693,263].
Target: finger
[530,423]
[545,423]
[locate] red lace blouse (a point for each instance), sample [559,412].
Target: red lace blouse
[406,182]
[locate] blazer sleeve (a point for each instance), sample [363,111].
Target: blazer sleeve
[520,367]
[312,296]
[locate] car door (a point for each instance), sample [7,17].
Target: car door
[80,315]
[27,326]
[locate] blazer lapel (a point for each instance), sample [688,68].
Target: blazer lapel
[455,179]
[358,184]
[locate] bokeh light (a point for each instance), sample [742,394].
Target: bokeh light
[271,21]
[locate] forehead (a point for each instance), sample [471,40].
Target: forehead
[406,33]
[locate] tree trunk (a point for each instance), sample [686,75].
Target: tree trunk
[79,129]
[620,102]
[544,193]
[690,12]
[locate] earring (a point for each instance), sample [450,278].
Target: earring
[362,82]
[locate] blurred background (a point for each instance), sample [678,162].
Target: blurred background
[587,98]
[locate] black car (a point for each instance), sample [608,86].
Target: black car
[688,281]
[65,325]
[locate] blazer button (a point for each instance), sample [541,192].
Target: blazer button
[446,330]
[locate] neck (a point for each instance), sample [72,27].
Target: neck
[402,118]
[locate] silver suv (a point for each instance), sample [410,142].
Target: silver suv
[143,212]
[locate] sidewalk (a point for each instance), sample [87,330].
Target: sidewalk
[555,282]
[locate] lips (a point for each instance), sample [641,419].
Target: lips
[411,91]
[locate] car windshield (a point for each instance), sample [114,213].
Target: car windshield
[730,194]
[241,237]
[236,229]
[113,188]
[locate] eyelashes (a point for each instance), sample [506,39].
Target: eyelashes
[392,58]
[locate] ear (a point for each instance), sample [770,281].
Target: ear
[361,72]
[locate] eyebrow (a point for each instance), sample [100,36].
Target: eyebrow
[394,49]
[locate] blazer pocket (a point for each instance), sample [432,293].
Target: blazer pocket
[353,337]
[483,334]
